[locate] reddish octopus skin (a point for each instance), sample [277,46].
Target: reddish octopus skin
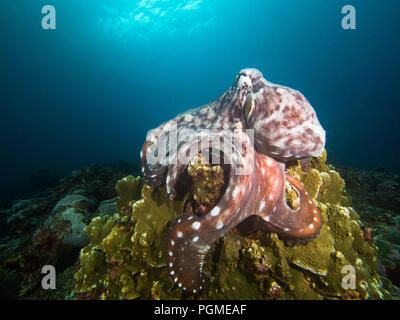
[285,128]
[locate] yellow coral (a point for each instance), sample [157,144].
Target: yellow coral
[125,258]
[125,254]
[129,189]
[207,181]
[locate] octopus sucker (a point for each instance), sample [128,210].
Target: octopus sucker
[258,127]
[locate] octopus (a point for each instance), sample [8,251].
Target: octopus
[255,128]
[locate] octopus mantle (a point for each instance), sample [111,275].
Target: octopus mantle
[255,128]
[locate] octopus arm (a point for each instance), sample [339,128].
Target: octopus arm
[302,224]
[191,238]
[210,145]
[154,170]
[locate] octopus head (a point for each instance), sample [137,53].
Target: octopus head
[285,124]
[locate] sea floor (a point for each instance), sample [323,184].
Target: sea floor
[27,226]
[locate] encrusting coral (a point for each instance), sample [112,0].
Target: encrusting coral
[207,183]
[126,255]
[125,258]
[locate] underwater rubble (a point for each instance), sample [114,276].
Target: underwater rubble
[106,234]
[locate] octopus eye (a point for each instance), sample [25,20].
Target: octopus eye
[248,107]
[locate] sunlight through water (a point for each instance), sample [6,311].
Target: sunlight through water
[142,19]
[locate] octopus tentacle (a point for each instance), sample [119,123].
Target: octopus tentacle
[211,145]
[295,224]
[191,238]
[153,170]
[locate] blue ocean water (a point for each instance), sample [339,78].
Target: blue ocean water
[88,91]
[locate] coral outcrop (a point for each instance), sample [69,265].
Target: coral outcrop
[125,258]
[207,184]
[126,255]
[49,229]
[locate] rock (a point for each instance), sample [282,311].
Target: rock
[107,207]
[67,220]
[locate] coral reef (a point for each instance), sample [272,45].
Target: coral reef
[50,229]
[125,258]
[376,197]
